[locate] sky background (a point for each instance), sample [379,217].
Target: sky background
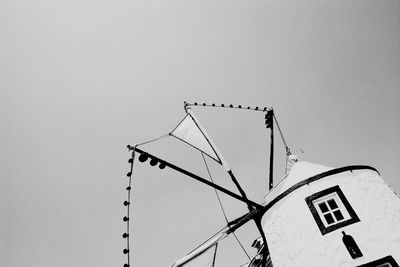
[80,80]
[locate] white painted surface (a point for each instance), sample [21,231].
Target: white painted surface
[300,171]
[294,238]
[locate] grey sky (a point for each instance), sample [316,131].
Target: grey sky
[82,79]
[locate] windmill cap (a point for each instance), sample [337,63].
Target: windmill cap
[299,172]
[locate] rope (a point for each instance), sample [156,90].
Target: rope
[216,192]
[283,138]
[155,139]
[127,204]
[186,104]
[240,244]
[222,207]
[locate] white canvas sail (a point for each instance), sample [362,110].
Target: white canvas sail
[206,259]
[203,256]
[191,132]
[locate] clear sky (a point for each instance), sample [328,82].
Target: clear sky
[82,79]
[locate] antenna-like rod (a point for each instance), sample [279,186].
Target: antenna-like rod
[269,123]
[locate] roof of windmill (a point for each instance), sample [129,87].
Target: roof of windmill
[300,171]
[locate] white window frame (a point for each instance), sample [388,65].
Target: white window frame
[340,207]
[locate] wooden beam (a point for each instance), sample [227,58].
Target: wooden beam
[198,178]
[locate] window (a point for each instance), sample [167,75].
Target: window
[328,209]
[331,210]
[387,261]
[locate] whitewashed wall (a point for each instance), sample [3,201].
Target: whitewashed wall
[294,238]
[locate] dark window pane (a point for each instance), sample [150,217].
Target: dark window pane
[332,204]
[329,218]
[384,265]
[323,207]
[338,215]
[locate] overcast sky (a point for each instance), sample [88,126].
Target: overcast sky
[82,79]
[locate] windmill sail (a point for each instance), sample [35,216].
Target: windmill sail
[188,131]
[203,256]
[206,259]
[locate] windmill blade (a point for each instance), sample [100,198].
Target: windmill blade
[206,259]
[189,131]
[144,156]
[204,255]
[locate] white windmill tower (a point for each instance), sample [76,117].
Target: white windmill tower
[320,216]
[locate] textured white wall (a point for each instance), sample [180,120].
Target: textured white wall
[294,238]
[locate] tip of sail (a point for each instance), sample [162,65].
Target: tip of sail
[204,255]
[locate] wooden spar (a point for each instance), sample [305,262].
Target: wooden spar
[269,123]
[240,221]
[271,157]
[198,178]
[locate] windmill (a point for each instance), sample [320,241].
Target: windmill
[313,217]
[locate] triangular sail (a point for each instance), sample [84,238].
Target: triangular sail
[203,256]
[190,132]
[206,259]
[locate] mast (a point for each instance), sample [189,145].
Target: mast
[269,123]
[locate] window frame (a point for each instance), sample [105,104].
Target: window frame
[325,202]
[388,259]
[344,203]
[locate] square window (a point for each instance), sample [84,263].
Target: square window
[329,219]
[331,210]
[332,204]
[323,207]
[387,261]
[338,215]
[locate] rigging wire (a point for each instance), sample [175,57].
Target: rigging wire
[288,152]
[222,229]
[155,139]
[127,203]
[222,207]
[283,138]
[231,106]
[219,199]
[240,244]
